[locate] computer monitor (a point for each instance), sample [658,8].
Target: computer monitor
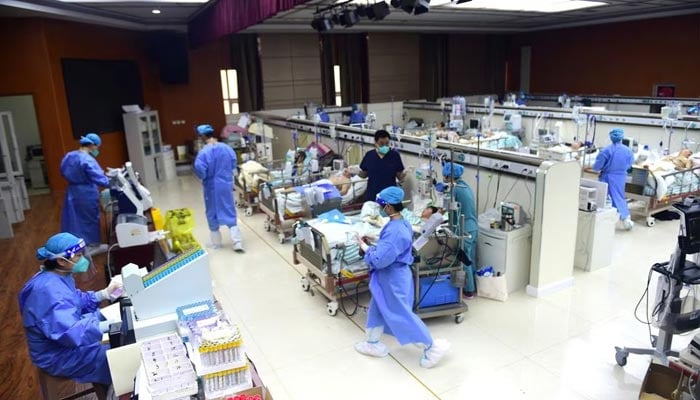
[690,225]
[473,124]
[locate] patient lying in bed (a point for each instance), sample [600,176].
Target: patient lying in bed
[682,160]
[342,181]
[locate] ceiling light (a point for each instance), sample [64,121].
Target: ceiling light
[415,7]
[544,6]
[349,18]
[378,11]
[156,11]
[322,24]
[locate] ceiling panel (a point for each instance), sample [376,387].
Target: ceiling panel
[137,15]
[443,18]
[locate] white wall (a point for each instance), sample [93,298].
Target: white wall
[24,118]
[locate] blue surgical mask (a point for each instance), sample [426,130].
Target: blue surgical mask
[383,150]
[81,266]
[383,213]
[95,152]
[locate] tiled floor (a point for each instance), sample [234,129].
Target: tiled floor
[557,347]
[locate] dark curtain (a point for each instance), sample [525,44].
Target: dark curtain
[350,52]
[433,66]
[245,58]
[224,17]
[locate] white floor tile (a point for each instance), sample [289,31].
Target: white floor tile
[557,347]
[521,380]
[345,374]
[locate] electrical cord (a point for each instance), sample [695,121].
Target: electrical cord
[345,295]
[437,260]
[498,187]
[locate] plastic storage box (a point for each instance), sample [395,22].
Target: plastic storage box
[441,292]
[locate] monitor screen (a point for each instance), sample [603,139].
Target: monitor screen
[473,124]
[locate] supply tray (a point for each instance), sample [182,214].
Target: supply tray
[184,393]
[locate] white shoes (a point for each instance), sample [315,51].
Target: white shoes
[372,349]
[628,224]
[433,354]
[215,237]
[236,239]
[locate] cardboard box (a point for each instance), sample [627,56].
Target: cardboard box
[660,380]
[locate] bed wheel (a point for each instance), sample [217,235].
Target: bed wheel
[267,225]
[651,221]
[459,318]
[332,308]
[281,238]
[305,285]
[249,211]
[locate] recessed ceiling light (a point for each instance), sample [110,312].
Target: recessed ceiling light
[544,6]
[156,11]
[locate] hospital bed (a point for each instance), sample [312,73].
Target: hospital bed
[333,264]
[252,174]
[655,189]
[335,269]
[285,205]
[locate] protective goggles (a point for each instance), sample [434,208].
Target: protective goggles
[73,250]
[381,201]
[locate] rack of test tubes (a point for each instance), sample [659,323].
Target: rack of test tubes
[223,383]
[216,348]
[169,372]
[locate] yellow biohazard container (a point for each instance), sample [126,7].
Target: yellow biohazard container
[180,225]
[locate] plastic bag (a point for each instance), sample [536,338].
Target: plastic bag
[492,287]
[489,216]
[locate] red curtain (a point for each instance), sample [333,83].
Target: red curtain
[225,17]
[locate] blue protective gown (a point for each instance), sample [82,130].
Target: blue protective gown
[81,207]
[465,197]
[613,163]
[214,166]
[391,285]
[62,328]
[357,117]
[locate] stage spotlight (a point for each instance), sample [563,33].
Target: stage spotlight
[415,7]
[336,19]
[362,10]
[349,18]
[322,24]
[378,11]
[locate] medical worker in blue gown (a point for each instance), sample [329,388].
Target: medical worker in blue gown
[81,207]
[63,324]
[392,289]
[357,117]
[613,162]
[215,165]
[452,174]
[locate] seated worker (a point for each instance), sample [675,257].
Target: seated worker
[382,166]
[682,161]
[342,181]
[357,116]
[63,324]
